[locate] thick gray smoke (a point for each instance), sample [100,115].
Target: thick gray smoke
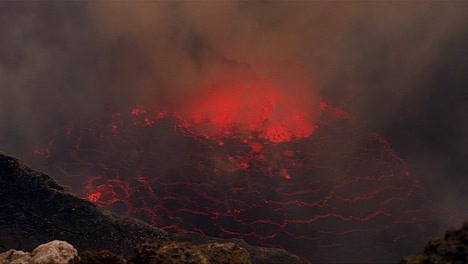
[399,67]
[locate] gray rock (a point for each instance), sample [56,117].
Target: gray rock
[57,252]
[54,252]
[13,256]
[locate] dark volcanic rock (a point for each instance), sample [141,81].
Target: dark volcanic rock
[173,252]
[449,248]
[100,257]
[181,253]
[34,209]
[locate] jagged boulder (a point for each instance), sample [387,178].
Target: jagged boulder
[13,256]
[451,248]
[54,252]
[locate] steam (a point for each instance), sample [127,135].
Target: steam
[166,52]
[68,62]
[186,47]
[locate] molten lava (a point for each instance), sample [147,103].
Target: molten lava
[250,108]
[250,163]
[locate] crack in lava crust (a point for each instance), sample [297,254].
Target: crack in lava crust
[339,194]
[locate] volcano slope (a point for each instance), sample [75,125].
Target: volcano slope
[35,209]
[340,194]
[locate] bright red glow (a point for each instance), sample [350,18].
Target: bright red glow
[256,146]
[256,107]
[94,197]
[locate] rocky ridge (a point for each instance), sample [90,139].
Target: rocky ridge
[35,209]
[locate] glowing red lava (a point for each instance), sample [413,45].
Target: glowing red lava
[250,164]
[250,107]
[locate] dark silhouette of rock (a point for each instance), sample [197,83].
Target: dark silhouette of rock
[100,257]
[450,248]
[35,209]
